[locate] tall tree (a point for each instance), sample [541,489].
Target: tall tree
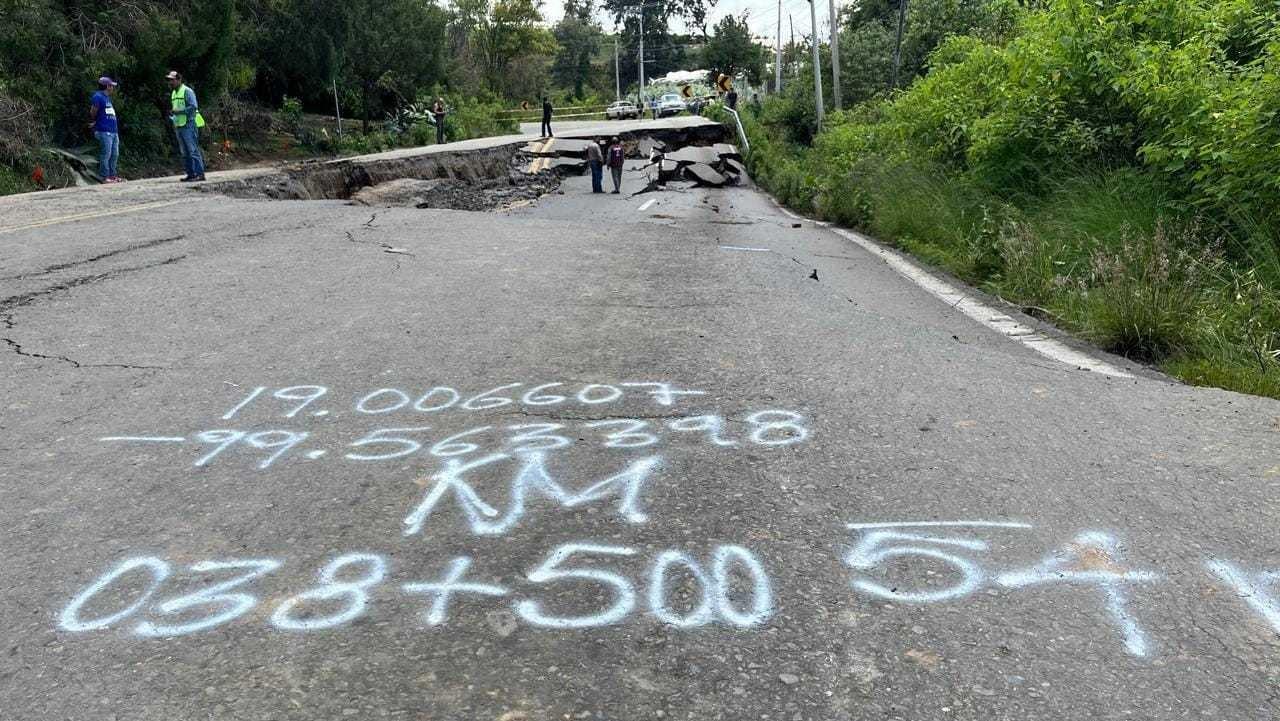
[578,35]
[500,35]
[392,46]
[731,50]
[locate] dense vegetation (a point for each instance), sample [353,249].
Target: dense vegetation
[263,68]
[1112,165]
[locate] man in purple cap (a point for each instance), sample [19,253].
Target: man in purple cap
[102,118]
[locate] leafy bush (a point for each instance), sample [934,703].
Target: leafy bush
[476,116]
[1110,165]
[291,115]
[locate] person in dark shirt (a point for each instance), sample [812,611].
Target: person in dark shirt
[616,158]
[437,114]
[595,158]
[546,118]
[102,118]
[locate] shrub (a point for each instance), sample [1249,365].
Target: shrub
[291,115]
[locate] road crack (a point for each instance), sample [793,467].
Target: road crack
[103,256]
[10,306]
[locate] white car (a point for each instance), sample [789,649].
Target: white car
[621,109]
[671,104]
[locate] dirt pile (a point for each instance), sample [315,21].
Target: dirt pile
[461,193]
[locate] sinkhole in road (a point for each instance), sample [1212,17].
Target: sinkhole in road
[490,178]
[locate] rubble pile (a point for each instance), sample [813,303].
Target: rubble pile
[462,193]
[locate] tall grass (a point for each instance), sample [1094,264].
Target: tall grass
[1107,253]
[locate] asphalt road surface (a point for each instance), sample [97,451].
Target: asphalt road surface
[664,456]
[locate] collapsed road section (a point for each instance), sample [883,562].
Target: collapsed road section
[493,176]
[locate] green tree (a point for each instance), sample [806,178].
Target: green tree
[392,46]
[292,47]
[731,50]
[504,41]
[578,35]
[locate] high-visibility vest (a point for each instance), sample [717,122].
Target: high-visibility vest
[178,101]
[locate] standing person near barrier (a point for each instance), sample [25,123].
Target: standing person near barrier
[616,157]
[106,128]
[595,159]
[546,118]
[437,114]
[184,111]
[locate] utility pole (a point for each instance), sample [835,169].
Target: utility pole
[777,54]
[817,62]
[337,109]
[835,54]
[617,79]
[642,57]
[795,66]
[897,49]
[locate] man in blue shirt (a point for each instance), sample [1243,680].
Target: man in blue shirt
[187,121]
[102,118]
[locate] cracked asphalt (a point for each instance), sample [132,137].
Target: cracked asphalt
[580,460]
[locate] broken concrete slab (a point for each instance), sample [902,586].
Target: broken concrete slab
[393,193]
[559,148]
[727,150]
[703,155]
[648,146]
[570,147]
[569,165]
[704,175]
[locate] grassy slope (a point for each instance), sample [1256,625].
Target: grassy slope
[1098,253]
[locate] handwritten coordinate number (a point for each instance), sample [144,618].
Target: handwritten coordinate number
[767,428]
[715,588]
[282,441]
[306,394]
[72,619]
[777,428]
[232,605]
[631,435]
[345,585]
[879,546]
[439,398]
[355,591]
[714,601]
[537,437]
[549,571]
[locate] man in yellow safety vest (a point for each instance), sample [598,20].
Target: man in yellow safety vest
[184,112]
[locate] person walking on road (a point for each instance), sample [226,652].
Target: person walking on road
[546,118]
[595,159]
[102,118]
[184,112]
[615,159]
[437,114]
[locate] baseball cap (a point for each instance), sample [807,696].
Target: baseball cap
[104,81]
[173,75]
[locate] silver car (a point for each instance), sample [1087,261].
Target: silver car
[621,109]
[671,104]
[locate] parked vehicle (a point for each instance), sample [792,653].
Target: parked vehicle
[622,109]
[671,104]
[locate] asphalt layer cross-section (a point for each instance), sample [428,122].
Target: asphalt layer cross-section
[579,460]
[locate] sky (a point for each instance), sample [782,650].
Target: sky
[761,15]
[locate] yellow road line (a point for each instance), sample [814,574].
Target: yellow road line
[544,163]
[89,216]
